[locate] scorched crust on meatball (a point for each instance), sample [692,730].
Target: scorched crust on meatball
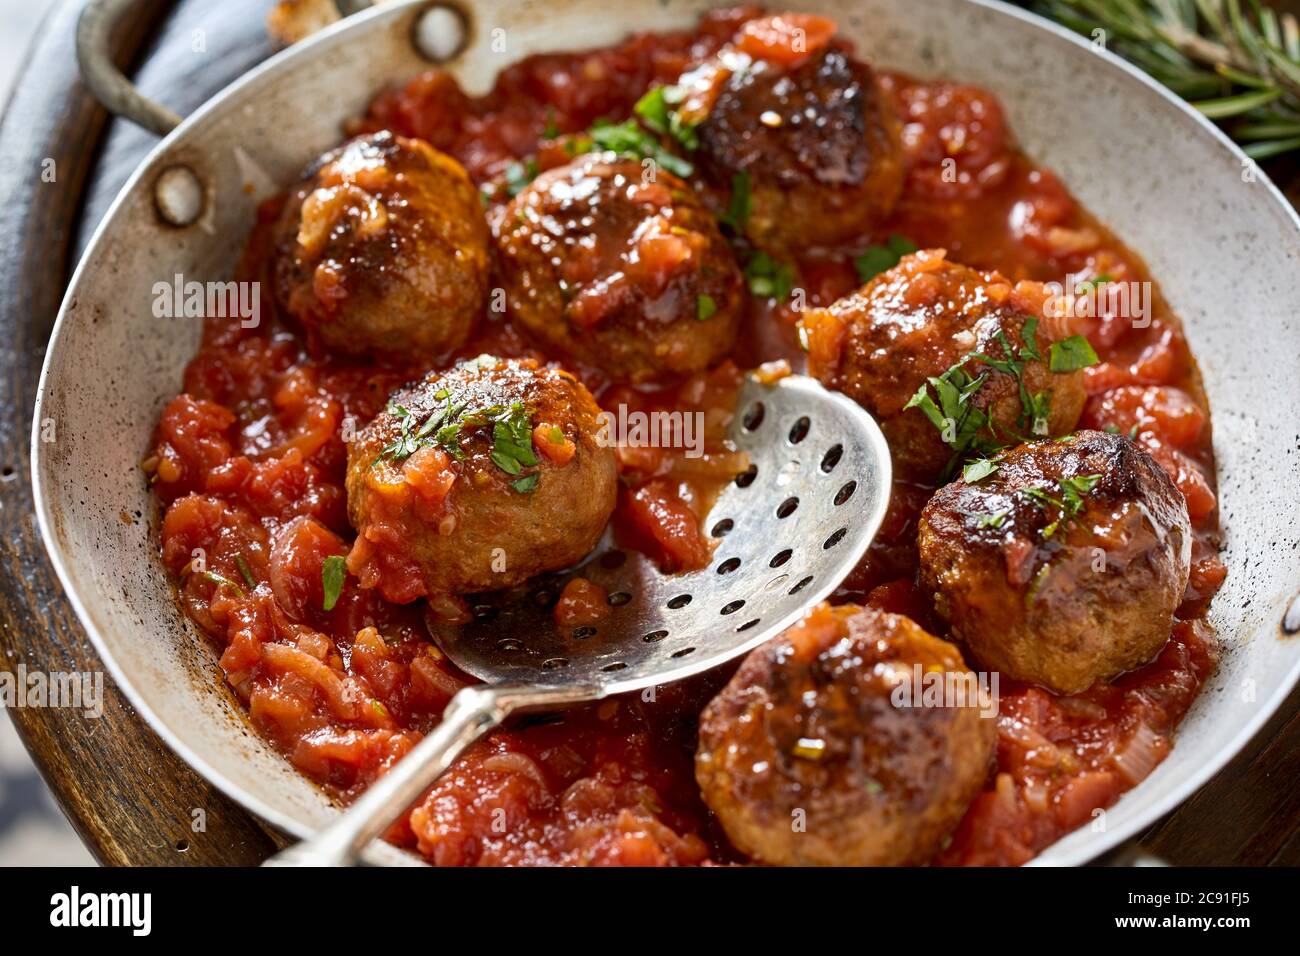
[477,479]
[808,731]
[1065,565]
[811,139]
[914,323]
[620,268]
[383,250]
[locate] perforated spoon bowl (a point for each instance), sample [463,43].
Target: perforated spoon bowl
[788,530]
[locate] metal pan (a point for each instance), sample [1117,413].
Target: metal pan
[1218,236]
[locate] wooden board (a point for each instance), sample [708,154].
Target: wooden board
[129,797]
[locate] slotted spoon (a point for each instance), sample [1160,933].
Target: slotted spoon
[788,530]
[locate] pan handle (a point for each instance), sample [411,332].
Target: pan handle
[115,92]
[107,83]
[473,712]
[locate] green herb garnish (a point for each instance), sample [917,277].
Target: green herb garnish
[1068,501]
[332,572]
[245,572]
[657,113]
[769,278]
[737,215]
[989,519]
[629,139]
[1034,408]
[526,485]
[1072,354]
[878,259]
[705,307]
[951,411]
[978,470]
[519,175]
[446,428]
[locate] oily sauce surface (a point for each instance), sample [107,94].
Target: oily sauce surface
[253,447]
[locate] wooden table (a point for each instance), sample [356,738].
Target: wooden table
[128,796]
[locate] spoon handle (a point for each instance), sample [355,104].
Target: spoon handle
[472,713]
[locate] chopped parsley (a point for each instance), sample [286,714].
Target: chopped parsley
[967,429]
[978,470]
[332,573]
[1034,408]
[958,420]
[878,259]
[989,519]
[657,113]
[769,278]
[630,139]
[447,427]
[519,175]
[737,215]
[1072,354]
[705,307]
[1068,500]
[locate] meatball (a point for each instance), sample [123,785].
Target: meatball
[382,250]
[886,342]
[620,267]
[810,755]
[816,144]
[477,479]
[1065,565]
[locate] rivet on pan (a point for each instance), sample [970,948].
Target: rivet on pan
[178,196]
[1291,620]
[440,33]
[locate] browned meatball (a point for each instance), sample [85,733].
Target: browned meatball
[383,250]
[1065,565]
[807,758]
[914,323]
[476,479]
[620,268]
[816,144]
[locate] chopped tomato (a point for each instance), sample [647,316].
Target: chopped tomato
[191,441]
[1164,411]
[656,514]
[581,602]
[787,37]
[298,553]
[553,444]
[430,474]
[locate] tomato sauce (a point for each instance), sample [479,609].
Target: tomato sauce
[249,460]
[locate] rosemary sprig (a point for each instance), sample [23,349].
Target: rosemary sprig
[1237,61]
